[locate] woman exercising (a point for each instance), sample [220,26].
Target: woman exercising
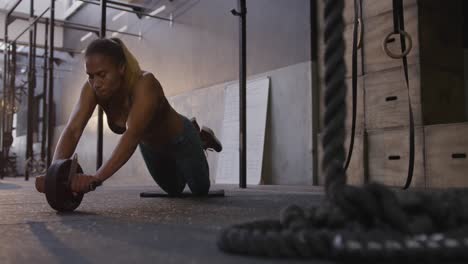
[136,107]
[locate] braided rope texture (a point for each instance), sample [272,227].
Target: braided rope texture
[376,223]
[335,96]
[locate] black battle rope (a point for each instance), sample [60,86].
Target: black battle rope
[357,21]
[352,223]
[399,28]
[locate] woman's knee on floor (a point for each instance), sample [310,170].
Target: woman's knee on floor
[200,188]
[197,177]
[173,189]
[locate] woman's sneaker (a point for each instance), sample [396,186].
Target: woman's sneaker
[208,137]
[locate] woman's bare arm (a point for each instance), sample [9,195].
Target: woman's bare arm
[146,98]
[77,121]
[71,134]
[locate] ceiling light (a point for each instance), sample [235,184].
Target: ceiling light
[85,37]
[122,29]
[118,16]
[157,11]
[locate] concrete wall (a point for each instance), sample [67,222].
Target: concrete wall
[194,59]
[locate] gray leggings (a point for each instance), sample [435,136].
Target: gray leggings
[180,162]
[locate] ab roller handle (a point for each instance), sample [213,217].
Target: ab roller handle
[94,185]
[73,172]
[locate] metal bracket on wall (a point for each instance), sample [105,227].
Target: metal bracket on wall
[234,12]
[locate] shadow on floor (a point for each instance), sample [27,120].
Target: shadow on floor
[54,245]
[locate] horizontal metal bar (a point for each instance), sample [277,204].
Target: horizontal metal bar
[77,26]
[94,29]
[86,29]
[130,11]
[42,46]
[114,3]
[42,67]
[142,14]
[27,54]
[31,24]
[124,4]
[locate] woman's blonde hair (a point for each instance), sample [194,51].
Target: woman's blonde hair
[132,67]
[116,49]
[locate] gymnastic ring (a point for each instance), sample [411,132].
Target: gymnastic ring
[405,52]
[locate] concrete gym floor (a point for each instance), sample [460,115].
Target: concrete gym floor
[114,224]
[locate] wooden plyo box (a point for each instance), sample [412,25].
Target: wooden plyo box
[388,155]
[446,155]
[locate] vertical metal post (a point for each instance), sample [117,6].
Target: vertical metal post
[30,110]
[242,14]
[11,88]
[10,100]
[465,51]
[314,83]
[5,77]
[44,95]
[102,34]
[35,104]
[4,155]
[34,56]
[50,101]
